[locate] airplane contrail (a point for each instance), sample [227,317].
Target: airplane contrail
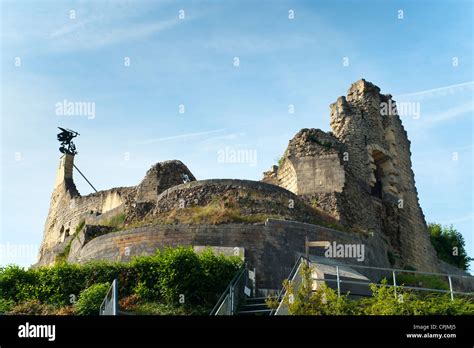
[148,141]
[434,90]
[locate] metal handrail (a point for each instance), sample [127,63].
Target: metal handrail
[398,286]
[393,270]
[290,277]
[228,290]
[113,292]
[396,270]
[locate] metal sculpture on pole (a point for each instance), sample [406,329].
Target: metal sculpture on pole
[68,147]
[65,137]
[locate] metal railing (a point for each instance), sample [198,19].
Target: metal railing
[291,277]
[232,296]
[109,305]
[392,271]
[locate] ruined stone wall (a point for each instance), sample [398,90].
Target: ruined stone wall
[160,177]
[311,163]
[246,197]
[377,142]
[68,208]
[272,248]
[360,173]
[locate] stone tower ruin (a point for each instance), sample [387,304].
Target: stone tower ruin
[360,173]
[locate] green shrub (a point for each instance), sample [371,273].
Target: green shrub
[385,300]
[162,277]
[305,301]
[449,245]
[217,272]
[16,283]
[180,276]
[6,305]
[56,284]
[91,298]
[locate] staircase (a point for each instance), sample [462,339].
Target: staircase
[255,306]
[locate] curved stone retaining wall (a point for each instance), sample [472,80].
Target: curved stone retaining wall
[271,247]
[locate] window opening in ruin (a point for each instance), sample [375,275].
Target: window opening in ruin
[377,189]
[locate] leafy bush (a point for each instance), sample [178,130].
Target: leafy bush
[446,240]
[305,301]
[180,276]
[162,277]
[16,283]
[6,305]
[91,298]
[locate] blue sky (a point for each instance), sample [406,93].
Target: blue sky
[190,62]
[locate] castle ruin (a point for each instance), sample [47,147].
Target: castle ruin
[354,184]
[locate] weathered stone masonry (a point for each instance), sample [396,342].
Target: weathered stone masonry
[271,247]
[359,174]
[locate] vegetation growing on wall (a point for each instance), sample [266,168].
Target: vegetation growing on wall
[116,222]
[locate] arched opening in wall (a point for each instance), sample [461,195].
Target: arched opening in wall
[377,188]
[61,234]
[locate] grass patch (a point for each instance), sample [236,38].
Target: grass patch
[214,213]
[157,308]
[80,226]
[117,222]
[423,280]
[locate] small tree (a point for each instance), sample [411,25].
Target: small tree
[449,245]
[322,301]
